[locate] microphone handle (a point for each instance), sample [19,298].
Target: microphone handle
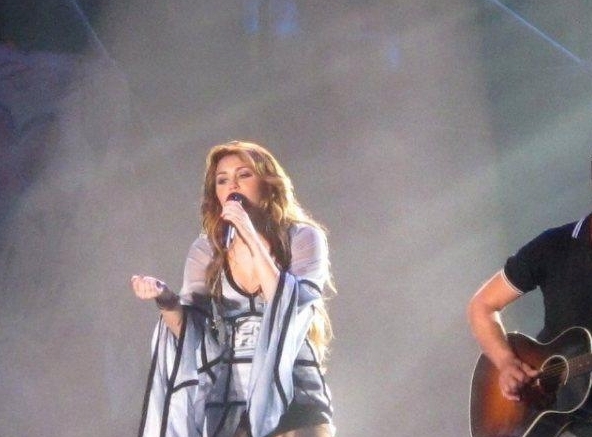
[230,234]
[231,230]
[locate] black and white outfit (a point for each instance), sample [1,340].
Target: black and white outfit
[241,361]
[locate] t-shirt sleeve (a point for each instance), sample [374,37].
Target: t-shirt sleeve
[526,269]
[194,289]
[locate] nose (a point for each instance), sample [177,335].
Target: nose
[233,182]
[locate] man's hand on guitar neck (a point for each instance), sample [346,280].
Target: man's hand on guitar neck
[514,374]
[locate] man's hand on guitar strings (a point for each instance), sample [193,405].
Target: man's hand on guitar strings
[514,375]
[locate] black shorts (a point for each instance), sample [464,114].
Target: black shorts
[297,416]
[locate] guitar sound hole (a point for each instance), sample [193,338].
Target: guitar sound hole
[553,374]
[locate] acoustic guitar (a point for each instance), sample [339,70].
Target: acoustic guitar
[549,403]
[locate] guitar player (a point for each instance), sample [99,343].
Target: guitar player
[559,262]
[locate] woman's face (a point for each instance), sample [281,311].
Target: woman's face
[233,175]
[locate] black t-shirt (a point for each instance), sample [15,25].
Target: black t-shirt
[559,261]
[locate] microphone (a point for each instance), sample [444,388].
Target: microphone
[230,231]
[161,286]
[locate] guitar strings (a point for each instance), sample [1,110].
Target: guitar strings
[555,370]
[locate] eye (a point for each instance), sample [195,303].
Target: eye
[221,181]
[245,174]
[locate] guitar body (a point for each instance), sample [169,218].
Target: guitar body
[546,407]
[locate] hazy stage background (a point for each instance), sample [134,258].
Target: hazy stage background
[431,137]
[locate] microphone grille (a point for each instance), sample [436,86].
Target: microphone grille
[236,197]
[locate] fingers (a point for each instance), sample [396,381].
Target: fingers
[513,377]
[530,371]
[233,212]
[147,287]
[511,386]
[511,395]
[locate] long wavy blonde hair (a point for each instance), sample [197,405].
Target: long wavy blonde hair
[279,210]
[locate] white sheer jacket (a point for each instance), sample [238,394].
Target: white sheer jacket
[184,370]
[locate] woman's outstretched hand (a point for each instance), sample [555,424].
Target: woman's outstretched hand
[147,287]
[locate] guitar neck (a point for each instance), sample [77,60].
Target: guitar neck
[579,365]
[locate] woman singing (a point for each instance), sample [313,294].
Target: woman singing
[239,351]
